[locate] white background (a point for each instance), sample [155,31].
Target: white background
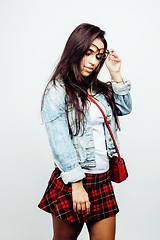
[33,35]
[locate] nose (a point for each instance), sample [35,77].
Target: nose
[92,60]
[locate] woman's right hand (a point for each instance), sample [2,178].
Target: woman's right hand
[80,198]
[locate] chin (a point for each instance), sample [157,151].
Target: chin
[85,74]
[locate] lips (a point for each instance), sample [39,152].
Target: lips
[88,69]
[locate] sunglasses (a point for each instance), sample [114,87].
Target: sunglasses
[99,56]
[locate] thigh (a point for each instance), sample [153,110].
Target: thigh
[64,230]
[103,229]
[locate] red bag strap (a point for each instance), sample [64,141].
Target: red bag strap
[106,124]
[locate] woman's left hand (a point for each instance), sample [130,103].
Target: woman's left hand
[112,62]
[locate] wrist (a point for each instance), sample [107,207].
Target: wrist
[76,185]
[118,82]
[116,77]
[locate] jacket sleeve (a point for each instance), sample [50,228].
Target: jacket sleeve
[56,124]
[122,97]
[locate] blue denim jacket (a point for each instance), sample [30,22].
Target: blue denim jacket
[71,155]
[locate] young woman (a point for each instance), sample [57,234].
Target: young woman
[80,189]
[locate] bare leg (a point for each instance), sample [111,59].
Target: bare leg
[103,229]
[64,230]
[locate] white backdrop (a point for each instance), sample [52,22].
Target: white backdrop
[33,35]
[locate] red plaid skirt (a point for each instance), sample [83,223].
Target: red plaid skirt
[57,198]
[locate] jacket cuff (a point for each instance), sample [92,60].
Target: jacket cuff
[74,175]
[121,89]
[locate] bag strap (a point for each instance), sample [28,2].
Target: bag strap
[106,124]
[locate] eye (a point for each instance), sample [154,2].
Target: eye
[87,53]
[99,56]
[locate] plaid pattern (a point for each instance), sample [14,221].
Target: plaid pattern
[57,198]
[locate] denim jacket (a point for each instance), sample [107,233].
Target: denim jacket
[71,155]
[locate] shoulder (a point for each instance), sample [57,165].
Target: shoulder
[55,91]
[54,101]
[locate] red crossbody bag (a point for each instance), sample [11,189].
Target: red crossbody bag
[117,169]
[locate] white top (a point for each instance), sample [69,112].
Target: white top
[101,157]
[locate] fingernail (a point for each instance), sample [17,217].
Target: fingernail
[90,203]
[78,212]
[87,212]
[74,210]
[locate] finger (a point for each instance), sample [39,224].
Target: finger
[79,207]
[113,54]
[83,205]
[115,59]
[109,53]
[74,206]
[88,207]
[112,50]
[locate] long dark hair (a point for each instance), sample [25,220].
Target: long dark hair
[76,85]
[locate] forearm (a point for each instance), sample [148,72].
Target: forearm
[122,97]
[65,158]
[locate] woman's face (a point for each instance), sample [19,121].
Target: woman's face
[92,57]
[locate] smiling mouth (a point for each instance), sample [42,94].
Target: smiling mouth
[88,69]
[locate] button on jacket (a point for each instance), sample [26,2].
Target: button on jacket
[73,154]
